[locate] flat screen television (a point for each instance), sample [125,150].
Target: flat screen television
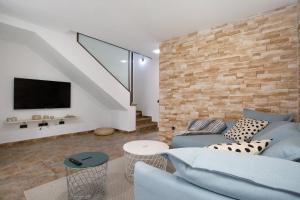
[38,94]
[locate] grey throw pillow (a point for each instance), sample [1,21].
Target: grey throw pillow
[288,149]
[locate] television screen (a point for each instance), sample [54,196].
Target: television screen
[37,94]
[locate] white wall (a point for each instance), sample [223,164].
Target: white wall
[146,85]
[19,61]
[62,47]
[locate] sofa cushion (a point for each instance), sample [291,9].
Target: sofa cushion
[271,117]
[288,149]
[278,131]
[245,129]
[254,147]
[239,176]
[197,140]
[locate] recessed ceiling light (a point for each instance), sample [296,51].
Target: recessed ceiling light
[156,51]
[123,61]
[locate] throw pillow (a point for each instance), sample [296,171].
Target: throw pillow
[245,129]
[288,149]
[255,147]
[198,124]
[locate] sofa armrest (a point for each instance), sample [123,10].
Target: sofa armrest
[151,183]
[240,176]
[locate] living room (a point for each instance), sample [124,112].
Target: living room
[149,100]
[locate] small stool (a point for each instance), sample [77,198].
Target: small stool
[87,180]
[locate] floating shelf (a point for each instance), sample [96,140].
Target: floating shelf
[25,121]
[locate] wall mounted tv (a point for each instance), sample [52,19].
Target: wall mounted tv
[38,94]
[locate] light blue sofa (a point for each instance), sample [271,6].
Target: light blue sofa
[210,174]
[203,173]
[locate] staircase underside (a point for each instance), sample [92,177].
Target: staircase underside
[59,57]
[61,50]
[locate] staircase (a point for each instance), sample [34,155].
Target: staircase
[145,123]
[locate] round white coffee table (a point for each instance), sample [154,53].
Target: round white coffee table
[147,151]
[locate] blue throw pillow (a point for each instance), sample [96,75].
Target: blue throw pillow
[271,117]
[288,149]
[278,131]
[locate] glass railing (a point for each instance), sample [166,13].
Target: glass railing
[114,59]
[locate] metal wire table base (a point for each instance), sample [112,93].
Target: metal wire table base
[86,183]
[156,160]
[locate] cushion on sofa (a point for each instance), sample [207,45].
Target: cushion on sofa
[197,140]
[254,147]
[288,149]
[245,129]
[271,117]
[198,124]
[278,131]
[240,176]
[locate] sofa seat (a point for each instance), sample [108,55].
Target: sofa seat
[198,140]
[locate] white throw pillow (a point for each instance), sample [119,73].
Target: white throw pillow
[254,147]
[245,129]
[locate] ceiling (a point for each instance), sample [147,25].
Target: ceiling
[137,25]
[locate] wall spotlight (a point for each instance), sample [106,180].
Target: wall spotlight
[156,51]
[142,61]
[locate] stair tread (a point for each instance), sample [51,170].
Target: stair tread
[143,118]
[147,124]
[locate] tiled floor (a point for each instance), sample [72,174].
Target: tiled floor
[27,165]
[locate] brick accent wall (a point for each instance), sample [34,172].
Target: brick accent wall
[216,73]
[298,18]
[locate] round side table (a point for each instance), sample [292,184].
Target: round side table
[87,180]
[147,151]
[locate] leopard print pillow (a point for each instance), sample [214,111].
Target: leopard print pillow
[245,129]
[254,147]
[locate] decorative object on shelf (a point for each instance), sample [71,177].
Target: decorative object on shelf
[36,117]
[40,120]
[23,125]
[104,131]
[70,116]
[11,119]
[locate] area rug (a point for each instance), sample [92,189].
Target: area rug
[117,187]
